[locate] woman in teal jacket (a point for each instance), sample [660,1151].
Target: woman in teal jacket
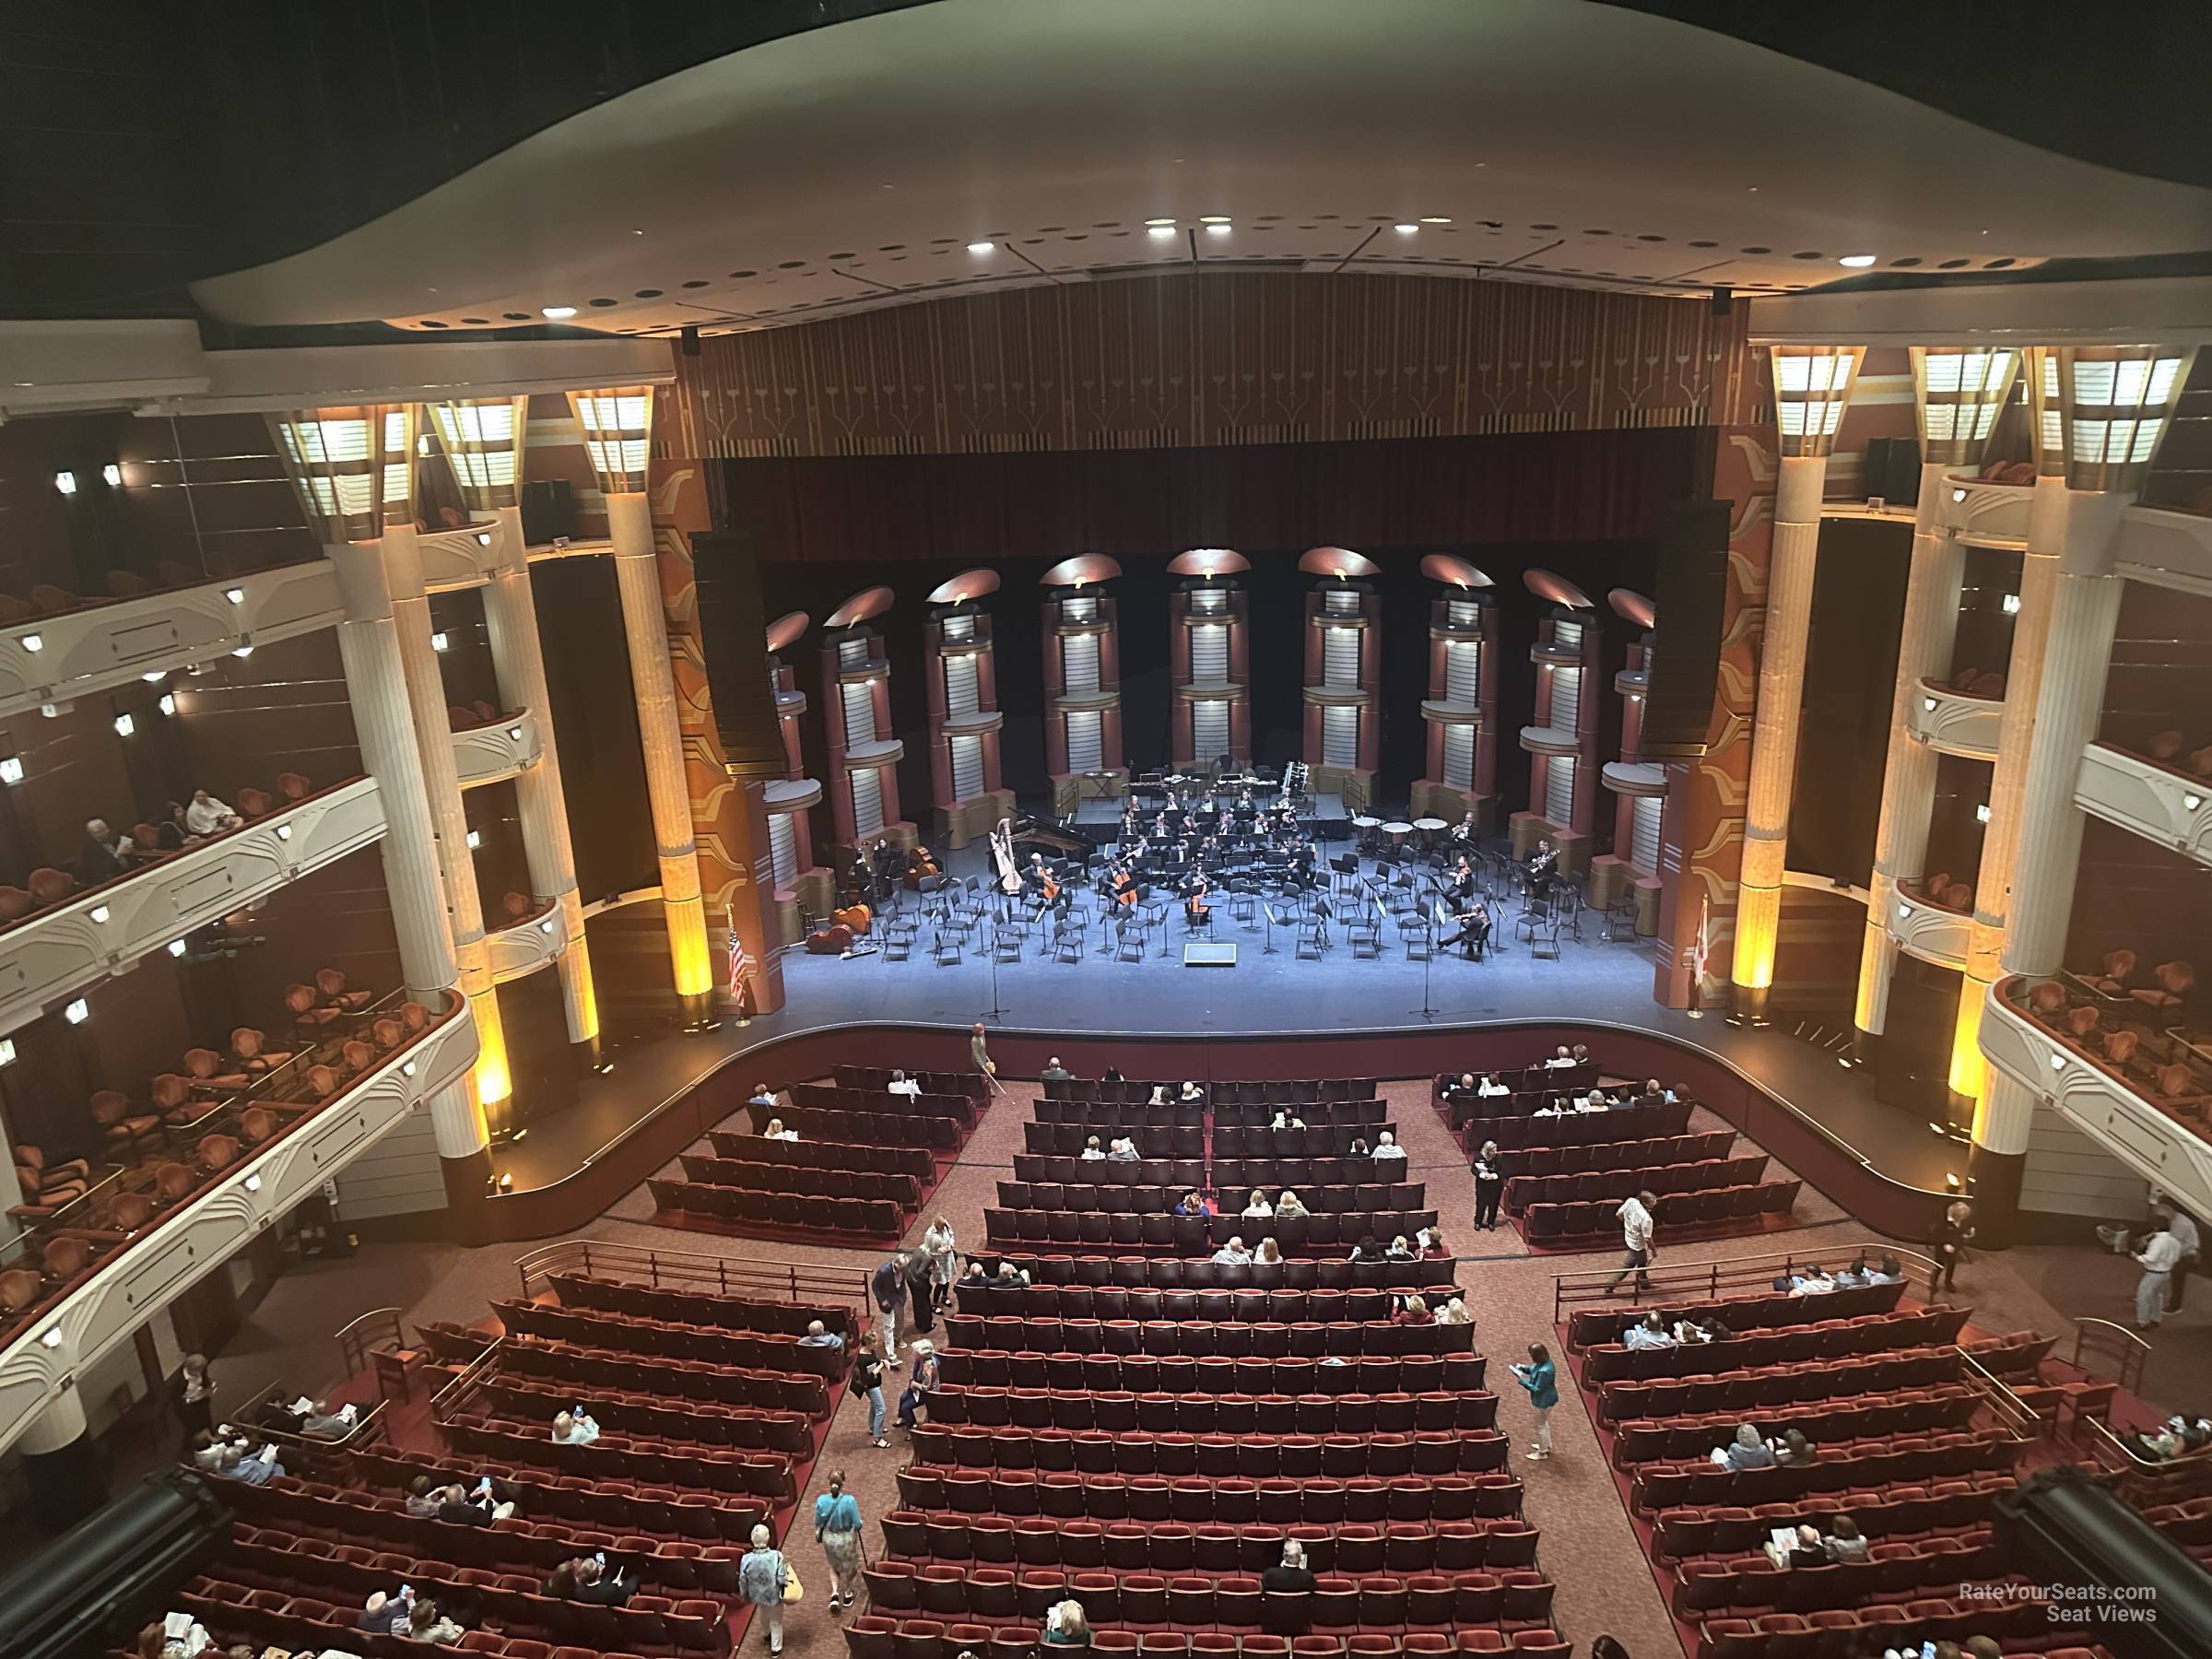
[1540,1377]
[837,1527]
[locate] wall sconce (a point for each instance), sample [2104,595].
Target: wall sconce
[244,651]
[2012,604]
[51,1336]
[176,948]
[167,705]
[125,725]
[99,913]
[439,642]
[284,832]
[11,769]
[236,595]
[31,641]
[1928,704]
[514,734]
[66,482]
[111,475]
[253,1183]
[77,1012]
[475,841]
[7,1051]
[1981,813]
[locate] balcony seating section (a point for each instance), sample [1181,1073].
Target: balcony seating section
[802,1181]
[1516,1131]
[1616,1154]
[2018,1620]
[1076,1505]
[1299,1091]
[817,1155]
[1601,1327]
[828,1097]
[1785,1345]
[2135,1027]
[802,1372]
[1556,1223]
[1171,1418]
[1189,1140]
[1773,1387]
[584,1292]
[1190,1235]
[878,1078]
[1665,1180]
[879,1636]
[1203,1273]
[1537,1080]
[1111,1197]
[1025,1304]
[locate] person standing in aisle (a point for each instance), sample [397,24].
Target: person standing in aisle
[1540,1377]
[980,1052]
[1636,1234]
[2157,1258]
[941,1251]
[837,1529]
[2183,1229]
[867,1382]
[887,1284]
[1951,1236]
[762,1578]
[1490,1184]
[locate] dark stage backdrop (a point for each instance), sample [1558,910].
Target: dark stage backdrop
[601,767]
[1585,505]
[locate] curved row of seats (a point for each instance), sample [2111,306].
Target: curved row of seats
[695,1381]
[916,1161]
[622,1505]
[1237,1172]
[1556,1223]
[1616,1154]
[1516,1131]
[2012,1608]
[1126,1118]
[1080,1273]
[804,1370]
[1952,1557]
[1174,1334]
[1879,1512]
[1290,1375]
[1462,1544]
[1466,1441]
[669,1418]
[965,1520]
[1909,1410]
[828,1097]
[1832,1338]
[879,1636]
[1123,1198]
[1599,1329]
[1011,1307]
[1770,1386]
[801,1180]
[1090,1416]
[971,1084]
[1189,1140]
[874,1128]
[1879,1460]
[1192,1235]
[1292,1091]
[760,1474]
[846,1220]
[1612,1185]
[583,1293]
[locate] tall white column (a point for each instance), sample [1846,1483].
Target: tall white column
[60,1423]
[442,788]
[517,659]
[376,684]
[1796,547]
[645,625]
[1900,843]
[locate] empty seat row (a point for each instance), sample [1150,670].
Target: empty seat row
[760,1474]
[1176,1331]
[1950,1406]
[1879,1512]
[1516,1130]
[1881,1460]
[1762,1309]
[828,1097]
[1182,1173]
[768,1394]
[735,1313]
[1190,1601]
[827,1155]
[1822,1338]
[1080,1303]
[1106,1376]
[619,1504]
[1616,1154]
[1188,1140]
[1272,1091]
[1065,1525]
[1548,1223]
[874,1128]
[1337,1455]
[861,1218]
[674,1419]
[902,1190]
[1775,1385]
[636,1332]
[1707,1584]
[2017,1614]
[1416,1545]
[1142,1198]
[1203,1273]
[1111,1414]
[1194,1235]
[879,1636]
[1240,1173]
[971,1084]
[1522,1191]
[1124,1116]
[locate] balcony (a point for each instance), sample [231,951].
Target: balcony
[105,929]
[2143,1100]
[1923,928]
[2159,803]
[1645,778]
[500,748]
[1952,723]
[1549,740]
[91,1290]
[464,557]
[528,942]
[2167,548]
[59,658]
[1984,514]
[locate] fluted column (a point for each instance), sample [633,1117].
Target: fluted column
[518,658]
[637,575]
[1773,779]
[64,1474]
[1923,649]
[376,685]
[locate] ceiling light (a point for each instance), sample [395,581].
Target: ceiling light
[125,725]
[236,595]
[1434,219]
[1405,229]
[1159,224]
[176,948]
[2012,604]
[169,703]
[422,444]
[1163,231]
[1856,262]
[558,312]
[156,678]
[1217,227]
[32,641]
[475,841]
[1981,813]
[439,642]
[1213,219]
[112,475]
[981,247]
[66,482]
[77,1012]
[11,769]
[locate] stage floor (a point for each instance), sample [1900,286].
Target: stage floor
[1261,995]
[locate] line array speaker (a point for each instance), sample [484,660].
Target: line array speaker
[1692,590]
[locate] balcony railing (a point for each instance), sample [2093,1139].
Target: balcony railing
[498,749]
[1923,928]
[526,944]
[89,1290]
[2157,801]
[1984,514]
[1952,723]
[105,929]
[72,654]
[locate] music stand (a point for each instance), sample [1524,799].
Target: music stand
[1268,909]
[1436,919]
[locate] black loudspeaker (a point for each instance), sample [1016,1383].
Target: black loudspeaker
[732,626]
[1892,470]
[1692,590]
[549,512]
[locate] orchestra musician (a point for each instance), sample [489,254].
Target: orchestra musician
[1463,833]
[1541,868]
[1196,911]
[1462,888]
[1474,935]
[1125,889]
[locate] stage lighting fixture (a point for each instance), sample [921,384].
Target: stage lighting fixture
[981,247]
[1856,262]
[559,313]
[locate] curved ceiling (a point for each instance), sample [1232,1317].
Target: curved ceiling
[1558,140]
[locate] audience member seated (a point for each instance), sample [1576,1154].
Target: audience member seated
[1650,1331]
[588,1579]
[819,1335]
[1286,1603]
[1746,1451]
[577,1427]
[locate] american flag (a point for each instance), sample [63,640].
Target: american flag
[741,960]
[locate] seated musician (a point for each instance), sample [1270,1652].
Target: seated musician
[1196,911]
[1462,888]
[1474,935]
[1124,888]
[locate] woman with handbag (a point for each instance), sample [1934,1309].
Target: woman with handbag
[837,1529]
[765,1579]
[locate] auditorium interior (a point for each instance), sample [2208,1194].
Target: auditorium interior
[807,809]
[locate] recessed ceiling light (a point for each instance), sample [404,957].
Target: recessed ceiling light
[1167,222]
[558,312]
[981,247]
[1434,219]
[1405,229]
[1160,230]
[1218,228]
[1857,262]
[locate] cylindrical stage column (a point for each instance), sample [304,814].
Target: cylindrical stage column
[383,725]
[441,784]
[517,659]
[63,1468]
[637,575]
[1900,837]
[1812,387]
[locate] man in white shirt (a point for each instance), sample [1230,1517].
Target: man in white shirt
[2184,1230]
[2157,1258]
[901,1084]
[1650,1332]
[1557,1060]
[1055,1072]
[1636,1234]
[1490,1086]
[1386,1146]
[204,815]
[1233,1254]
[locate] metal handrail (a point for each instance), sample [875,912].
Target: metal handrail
[465,1380]
[366,1428]
[2130,1350]
[356,1345]
[2011,1412]
[2142,1478]
[1709,1280]
[801,1283]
